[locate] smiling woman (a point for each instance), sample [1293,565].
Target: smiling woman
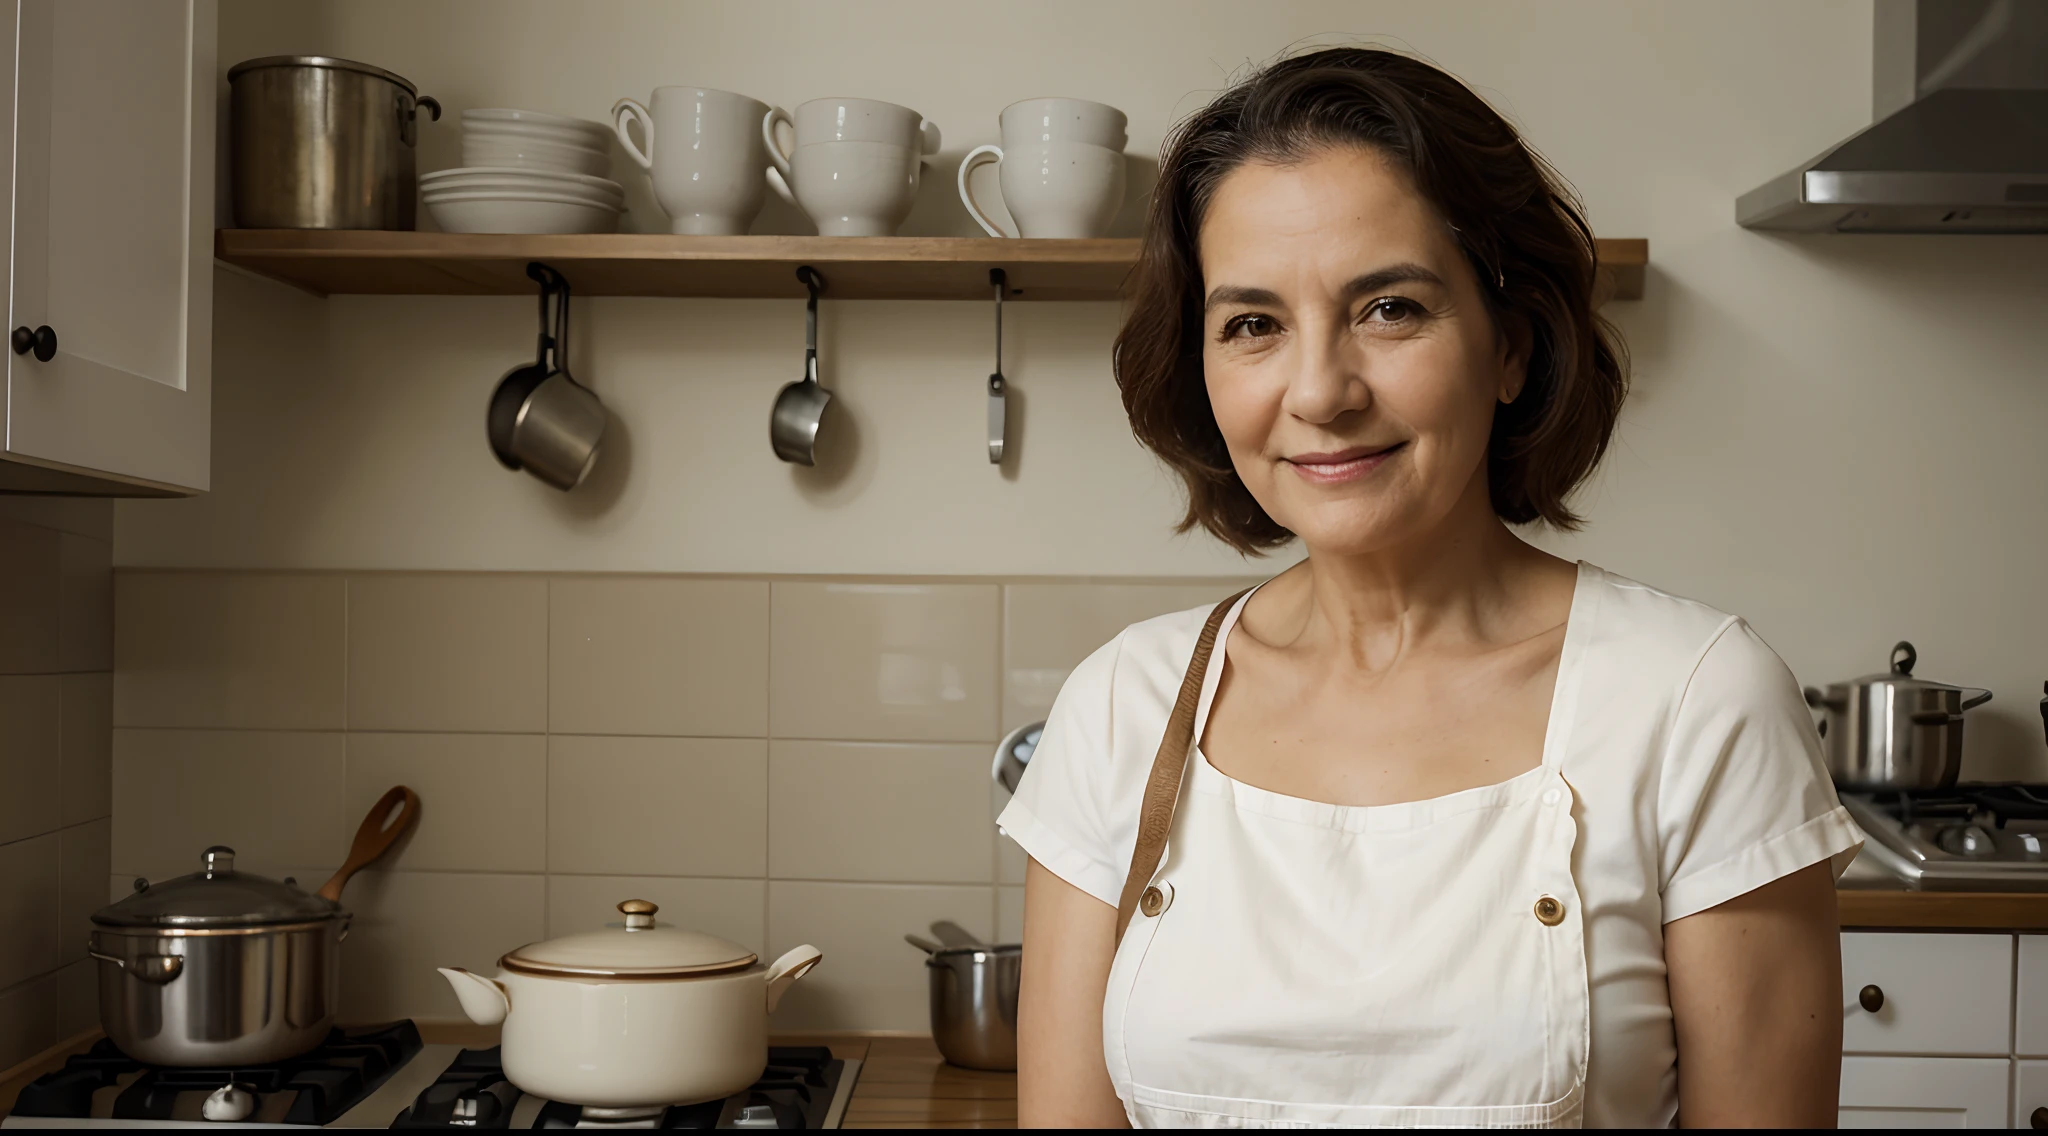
[1432,828]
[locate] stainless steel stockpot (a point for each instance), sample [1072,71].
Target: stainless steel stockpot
[322,143]
[974,1004]
[1894,731]
[218,968]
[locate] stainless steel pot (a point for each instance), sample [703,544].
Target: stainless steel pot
[1894,731]
[218,968]
[974,1004]
[322,143]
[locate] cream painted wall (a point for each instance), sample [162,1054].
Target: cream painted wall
[1839,438]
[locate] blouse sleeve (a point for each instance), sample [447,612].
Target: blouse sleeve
[1743,798]
[1062,811]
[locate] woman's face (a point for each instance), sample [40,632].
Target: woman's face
[1350,359]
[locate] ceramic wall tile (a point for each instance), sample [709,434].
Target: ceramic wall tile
[1049,628]
[672,657]
[30,570]
[870,978]
[85,616]
[274,797]
[883,662]
[657,806]
[448,652]
[409,923]
[39,1013]
[85,853]
[230,650]
[31,887]
[879,811]
[483,798]
[86,747]
[736,910]
[1010,914]
[31,770]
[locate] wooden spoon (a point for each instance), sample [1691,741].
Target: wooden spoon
[374,837]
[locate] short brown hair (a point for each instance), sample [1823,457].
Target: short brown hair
[1515,219]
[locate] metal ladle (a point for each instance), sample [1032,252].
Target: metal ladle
[800,407]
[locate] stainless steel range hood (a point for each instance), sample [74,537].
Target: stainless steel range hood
[1961,139]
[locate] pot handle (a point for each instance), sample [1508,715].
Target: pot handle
[153,969]
[783,972]
[1977,697]
[1820,700]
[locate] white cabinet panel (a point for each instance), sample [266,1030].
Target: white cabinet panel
[1924,1092]
[112,237]
[1941,993]
[2029,1094]
[2030,1014]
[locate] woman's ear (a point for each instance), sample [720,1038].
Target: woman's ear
[1515,341]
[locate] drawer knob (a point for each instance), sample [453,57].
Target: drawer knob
[1870,998]
[2038,1119]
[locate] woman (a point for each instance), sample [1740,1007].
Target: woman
[1438,829]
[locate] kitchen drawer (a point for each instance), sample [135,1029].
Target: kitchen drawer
[2030,1014]
[2029,1093]
[1924,1092]
[1941,993]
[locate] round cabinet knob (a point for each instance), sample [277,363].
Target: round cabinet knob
[2038,1118]
[42,341]
[1870,998]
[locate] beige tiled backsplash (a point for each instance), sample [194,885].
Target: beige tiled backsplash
[56,652]
[772,761]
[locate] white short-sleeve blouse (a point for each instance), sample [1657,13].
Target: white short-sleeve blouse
[1693,756]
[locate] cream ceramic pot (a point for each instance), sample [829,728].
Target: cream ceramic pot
[632,1016]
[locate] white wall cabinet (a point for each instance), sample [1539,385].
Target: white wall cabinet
[110,195]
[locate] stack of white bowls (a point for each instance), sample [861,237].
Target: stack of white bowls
[526,172]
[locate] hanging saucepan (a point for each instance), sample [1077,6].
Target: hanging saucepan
[800,406]
[223,968]
[1894,731]
[541,419]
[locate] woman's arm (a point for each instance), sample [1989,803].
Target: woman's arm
[1756,1000]
[1070,937]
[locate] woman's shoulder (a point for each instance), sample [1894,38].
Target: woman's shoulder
[1142,666]
[1647,637]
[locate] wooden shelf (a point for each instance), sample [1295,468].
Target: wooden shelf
[635,264]
[1899,910]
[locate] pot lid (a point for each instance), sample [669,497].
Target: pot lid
[636,948]
[216,896]
[326,62]
[1901,672]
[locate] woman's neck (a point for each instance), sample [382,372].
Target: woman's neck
[1465,583]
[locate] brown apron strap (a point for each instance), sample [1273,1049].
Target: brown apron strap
[1169,767]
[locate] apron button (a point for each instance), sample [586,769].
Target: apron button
[1549,911]
[1552,796]
[1154,900]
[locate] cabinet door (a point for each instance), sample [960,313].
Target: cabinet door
[1946,994]
[112,238]
[1924,1092]
[2030,1094]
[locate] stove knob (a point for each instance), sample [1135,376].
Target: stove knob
[2030,844]
[756,1116]
[1965,840]
[229,1103]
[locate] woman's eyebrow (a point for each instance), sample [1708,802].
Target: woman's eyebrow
[1406,272]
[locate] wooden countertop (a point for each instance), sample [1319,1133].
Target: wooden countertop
[1896,909]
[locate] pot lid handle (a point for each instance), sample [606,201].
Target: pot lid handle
[219,858]
[639,914]
[1903,658]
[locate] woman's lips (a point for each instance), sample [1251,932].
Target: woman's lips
[1343,465]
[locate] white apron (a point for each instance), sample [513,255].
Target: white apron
[1299,964]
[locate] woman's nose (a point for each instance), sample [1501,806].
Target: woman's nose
[1328,382]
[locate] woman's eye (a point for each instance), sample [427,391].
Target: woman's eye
[1250,327]
[1391,310]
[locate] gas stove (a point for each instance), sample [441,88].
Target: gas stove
[1966,838]
[383,1077]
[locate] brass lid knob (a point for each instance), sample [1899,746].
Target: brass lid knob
[639,914]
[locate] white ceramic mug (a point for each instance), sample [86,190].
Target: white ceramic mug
[856,165]
[703,149]
[1064,120]
[1052,189]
